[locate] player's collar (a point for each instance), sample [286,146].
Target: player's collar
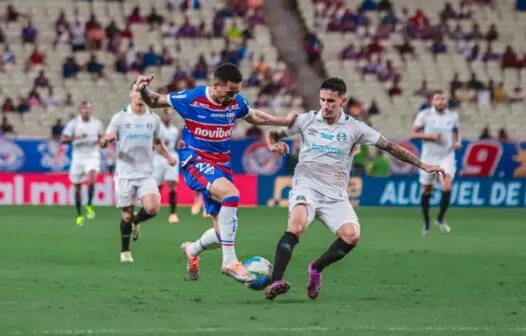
[209,96]
[434,110]
[341,120]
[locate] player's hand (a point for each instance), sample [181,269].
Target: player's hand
[171,161]
[279,147]
[435,169]
[437,137]
[106,139]
[291,117]
[457,145]
[143,81]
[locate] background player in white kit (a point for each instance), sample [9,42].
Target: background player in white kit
[319,187]
[137,131]
[84,133]
[169,135]
[438,128]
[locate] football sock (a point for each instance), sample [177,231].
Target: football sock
[173,201]
[210,240]
[126,229]
[227,220]
[283,254]
[142,216]
[91,192]
[78,202]
[444,204]
[425,209]
[336,251]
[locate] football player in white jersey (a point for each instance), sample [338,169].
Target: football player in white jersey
[84,132]
[438,128]
[163,171]
[321,177]
[137,131]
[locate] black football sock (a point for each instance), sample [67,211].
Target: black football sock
[173,201]
[91,192]
[78,202]
[444,205]
[142,216]
[424,203]
[336,251]
[126,229]
[283,254]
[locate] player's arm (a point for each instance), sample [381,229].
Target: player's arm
[418,129]
[150,98]
[257,117]
[457,139]
[112,133]
[403,154]
[68,135]
[161,149]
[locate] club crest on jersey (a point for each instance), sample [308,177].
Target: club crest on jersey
[230,117]
[149,126]
[341,137]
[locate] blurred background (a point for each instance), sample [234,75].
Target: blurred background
[392,54]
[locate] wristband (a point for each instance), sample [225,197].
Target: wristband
[144,90]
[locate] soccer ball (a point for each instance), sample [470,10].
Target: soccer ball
[262,269]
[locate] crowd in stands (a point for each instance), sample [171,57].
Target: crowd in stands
[87,34]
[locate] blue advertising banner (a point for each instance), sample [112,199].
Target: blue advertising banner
[405,191]
[40,156]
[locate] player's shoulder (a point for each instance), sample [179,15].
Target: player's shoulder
[189,94]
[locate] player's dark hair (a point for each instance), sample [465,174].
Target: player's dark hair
[435,92]
[228,72]
[334,84]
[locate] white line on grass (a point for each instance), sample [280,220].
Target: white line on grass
[169,331]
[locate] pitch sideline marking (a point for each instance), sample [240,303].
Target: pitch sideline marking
[104,331]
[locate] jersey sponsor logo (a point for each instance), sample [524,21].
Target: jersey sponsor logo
[326,136]
[312,131]
[209,132]
[229,116]
[327,149]
[11,156]
[259,160]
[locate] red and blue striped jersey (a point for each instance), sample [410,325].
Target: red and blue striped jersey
[208,126]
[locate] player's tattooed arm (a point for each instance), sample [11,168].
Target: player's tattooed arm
[276,135]
[403,154]
[150,98]
[257,117]
[274,144]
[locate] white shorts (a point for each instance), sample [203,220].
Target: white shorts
[81,166]
[163,171]
[448,164]
[332,213]
[127,189]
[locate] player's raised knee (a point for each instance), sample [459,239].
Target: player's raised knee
[350,233]
[127,217]
[152,209]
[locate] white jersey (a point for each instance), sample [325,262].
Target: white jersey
[168,135]
[325,158]
[135,142]
[90,130]
[433,122]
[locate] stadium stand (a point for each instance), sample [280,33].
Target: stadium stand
[57,53]
[395,52]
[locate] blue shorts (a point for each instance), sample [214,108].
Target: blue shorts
[199,176]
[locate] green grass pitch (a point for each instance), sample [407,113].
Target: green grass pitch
[59,279]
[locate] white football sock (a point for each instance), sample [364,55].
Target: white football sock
[208,241]
[227,219]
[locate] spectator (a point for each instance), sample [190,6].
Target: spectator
[386,72]
[200,71]
[457,33]
[465,94]
[500,94]
[34,98]
[56,130]
[120,65]
[36,60]
[62,29]
[166,57]
[6,127]
[70,68]
[50,100]
[405,48]
[23,105]
[395,89]
[169,30]
[94,67]
[448,13]
[474,83]
[375,47]
[234,33]
[517,95]
[213,60]
[390,20]
[29,33]
[492,34]
[423,91]
[218,25]
[438,47]
[2,36]
[112,31]
[503,135]
[154,19]
[9,57]
[372,66]
[489,55]
[254,132]
[385,5]
[248,32]
[11,14]
[454,85]
[69,100]
[485,134]
[256,17]
[313,47]
[127,33]
[41,80]
[509,58]
[78,36]
[373,109]
[474,54]
[151,58]
[8,105]
[187,30]
[368,5]
[420,20]
[135,16]
[475,33]
[94,34]
[350,53]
